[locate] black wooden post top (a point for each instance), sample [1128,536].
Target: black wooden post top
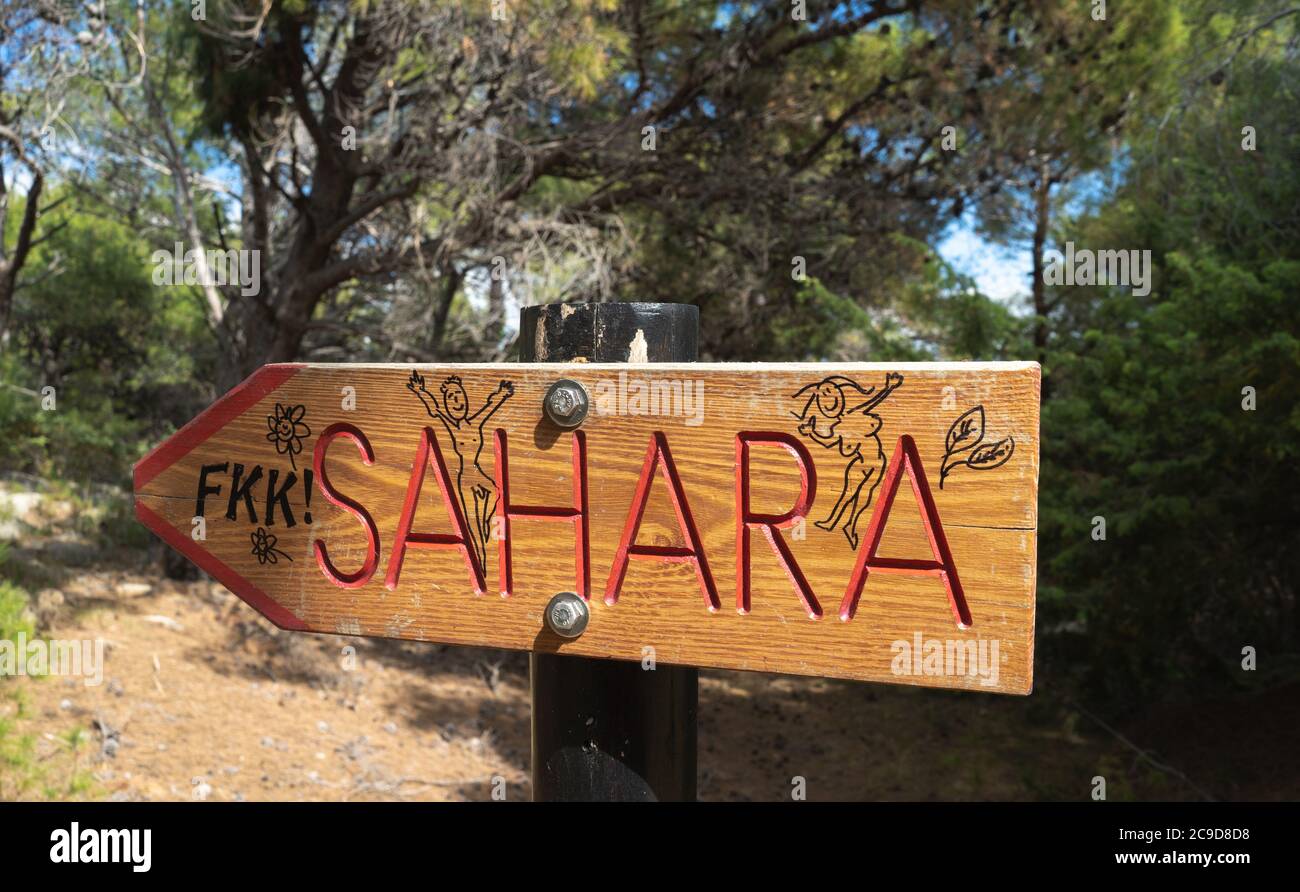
[635,331]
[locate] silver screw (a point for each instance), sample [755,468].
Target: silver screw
[567,615]
[566,403]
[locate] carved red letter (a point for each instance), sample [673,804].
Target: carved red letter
[577,515]
[658,454]
[906,458]
[362,576]
[772,524]
[460,539]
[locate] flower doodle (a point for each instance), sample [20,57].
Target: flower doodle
[287,430]
[264,547]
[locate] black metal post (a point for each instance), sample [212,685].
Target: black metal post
[605,730]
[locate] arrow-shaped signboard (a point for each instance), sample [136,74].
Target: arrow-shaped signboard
[858,521]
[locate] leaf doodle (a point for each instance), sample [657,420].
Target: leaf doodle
[991,455]
[966,436]
[966,431]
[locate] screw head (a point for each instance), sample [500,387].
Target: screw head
[567,615]
[566,403]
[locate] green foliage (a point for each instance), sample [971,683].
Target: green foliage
[23,773]
[124,357]
[18,765]
[1151,428]
[773,146]
[15,617]
[937,314]
[945,309]
[1198,495]
[25,576]
[92,442]
[974,326]
[1088,83]
[17,761]
[820,320]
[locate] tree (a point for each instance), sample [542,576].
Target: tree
[371,140]
[123,361]
[1177,415]
[40,57]
[401,156]
[1090,77]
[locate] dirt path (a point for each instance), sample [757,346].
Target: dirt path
[202,698]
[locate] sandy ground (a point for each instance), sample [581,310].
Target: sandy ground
[203,699]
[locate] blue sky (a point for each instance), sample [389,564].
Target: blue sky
[1003,272]
[1000,272]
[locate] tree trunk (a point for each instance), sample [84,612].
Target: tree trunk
[246,335]
[10,268]
[1042,220]
[450,282]
[494,329]
[269,326]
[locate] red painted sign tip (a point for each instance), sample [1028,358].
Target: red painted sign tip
[219,570]
[214,418]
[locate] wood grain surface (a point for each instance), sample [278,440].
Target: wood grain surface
[974,427]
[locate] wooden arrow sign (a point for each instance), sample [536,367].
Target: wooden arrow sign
[858,521]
